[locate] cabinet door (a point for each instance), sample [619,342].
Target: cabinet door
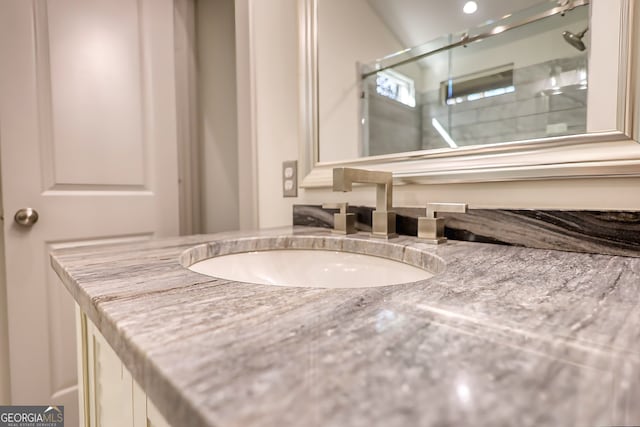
[109,396]
[110,384]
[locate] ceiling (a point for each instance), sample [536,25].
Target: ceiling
[415,22]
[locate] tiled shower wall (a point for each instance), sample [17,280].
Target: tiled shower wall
[522,114]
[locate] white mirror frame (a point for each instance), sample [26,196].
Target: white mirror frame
[599,154]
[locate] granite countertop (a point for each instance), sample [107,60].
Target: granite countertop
[503,336]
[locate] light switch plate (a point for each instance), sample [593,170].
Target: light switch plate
[290,178]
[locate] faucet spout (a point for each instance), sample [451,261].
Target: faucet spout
[383,220]
[343,178]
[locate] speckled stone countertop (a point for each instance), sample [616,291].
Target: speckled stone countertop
[501,336]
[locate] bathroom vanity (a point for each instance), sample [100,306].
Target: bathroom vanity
[499,335]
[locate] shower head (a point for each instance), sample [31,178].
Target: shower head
[575,40]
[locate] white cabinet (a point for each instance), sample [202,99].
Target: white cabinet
[109,396]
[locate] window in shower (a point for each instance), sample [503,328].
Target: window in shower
[485,84]
[396,86]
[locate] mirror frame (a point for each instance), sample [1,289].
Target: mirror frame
[597,154]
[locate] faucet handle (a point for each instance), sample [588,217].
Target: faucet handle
[434,208]
[343,222]
[342,206]
[431,228]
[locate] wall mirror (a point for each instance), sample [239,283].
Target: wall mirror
[520,89]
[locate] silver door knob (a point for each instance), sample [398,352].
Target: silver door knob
[26,217]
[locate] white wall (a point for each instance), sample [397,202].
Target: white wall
[218,134]
[245,91]
[275,38]
[590,194]
[275,47]
[340,45]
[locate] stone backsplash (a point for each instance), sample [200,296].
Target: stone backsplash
[602,232]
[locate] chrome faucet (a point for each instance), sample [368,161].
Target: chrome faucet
[384,221]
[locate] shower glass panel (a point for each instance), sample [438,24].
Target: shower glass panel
[526,83]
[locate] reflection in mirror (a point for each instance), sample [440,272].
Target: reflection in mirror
[528,82]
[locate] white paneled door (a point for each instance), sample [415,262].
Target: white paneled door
[88,140]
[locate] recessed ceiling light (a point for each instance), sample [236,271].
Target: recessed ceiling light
[470,7]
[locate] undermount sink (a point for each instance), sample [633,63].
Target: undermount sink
[314,268]
[312,261]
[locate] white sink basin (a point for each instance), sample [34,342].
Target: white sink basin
[312,260]
[310,268]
